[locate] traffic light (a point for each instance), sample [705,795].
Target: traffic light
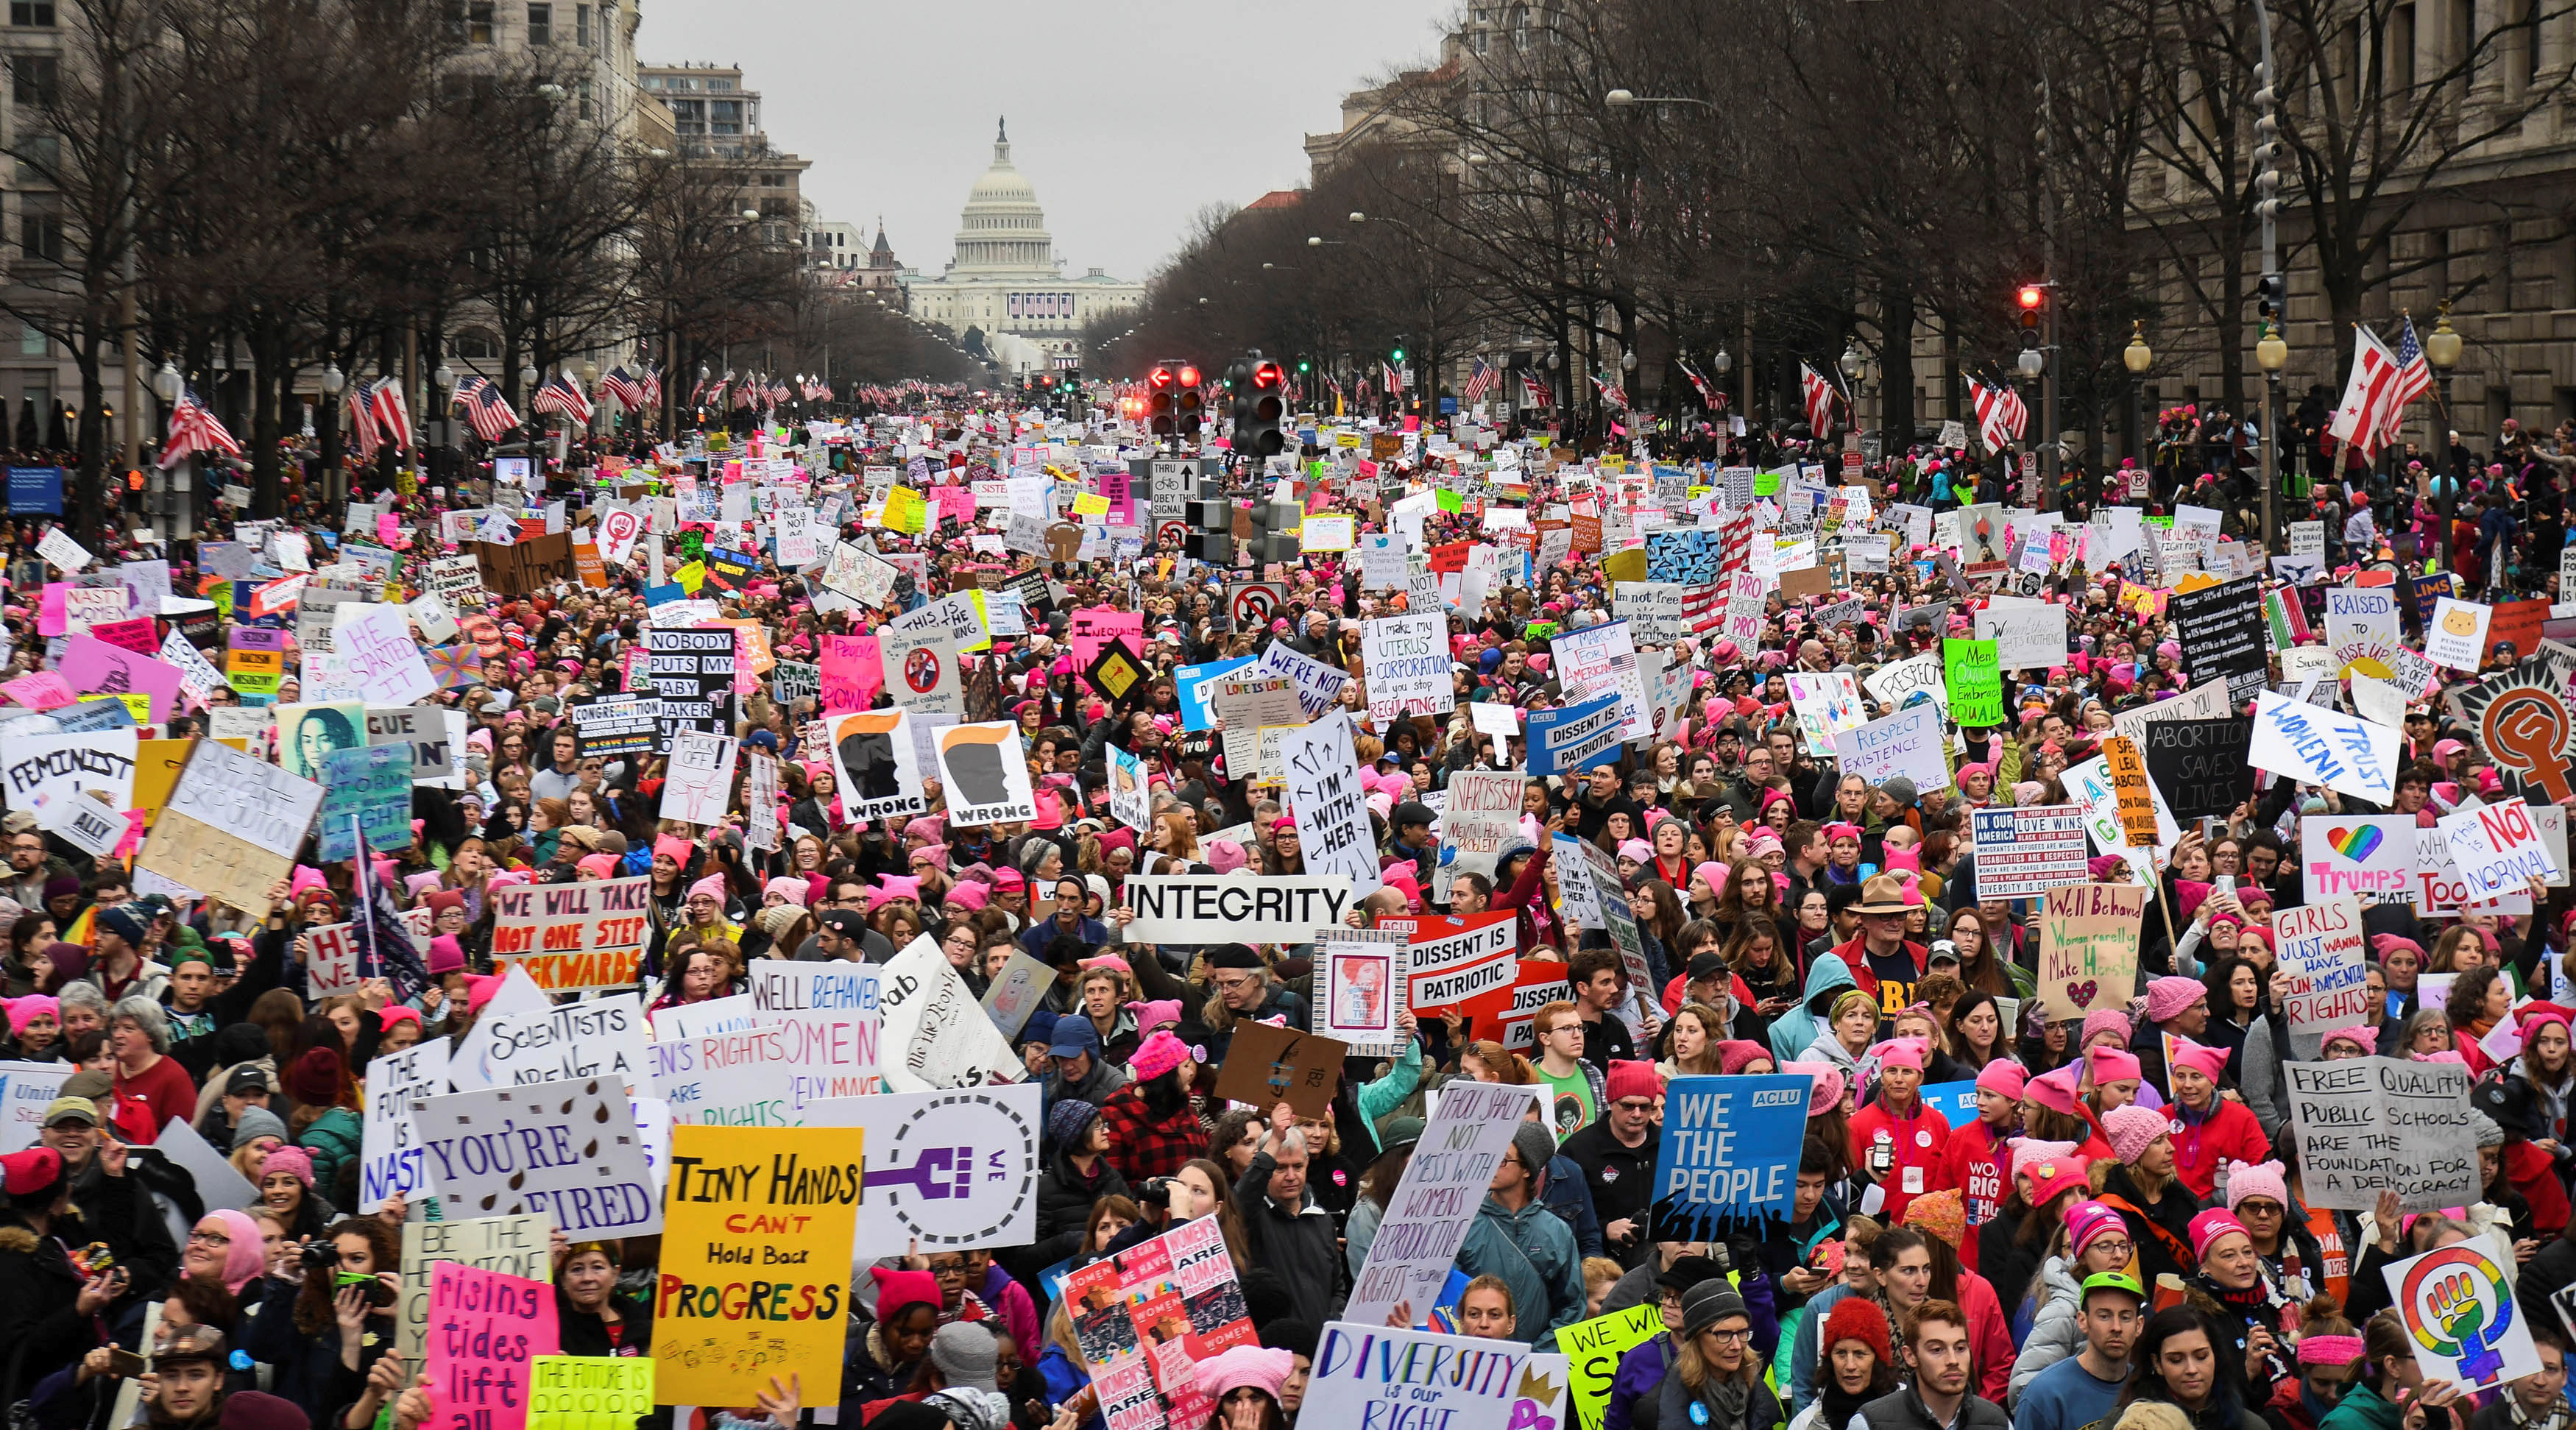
[1162,400]
[1397,357]
[1192,402]
[1211,536]
[2270,296]
[2033,301]
[1274,533]
[1257,388]
[1305,365]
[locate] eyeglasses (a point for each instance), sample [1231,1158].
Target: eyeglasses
[1725,1337]
[209,1238]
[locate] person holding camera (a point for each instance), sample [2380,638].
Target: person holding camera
[53,1299]
[329,1314]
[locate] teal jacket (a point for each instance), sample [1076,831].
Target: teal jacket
[1792,1031]
[334,1140]
[1533,1251]
[2363,1409]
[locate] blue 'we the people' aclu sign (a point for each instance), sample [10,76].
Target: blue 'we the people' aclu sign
[1730,1153]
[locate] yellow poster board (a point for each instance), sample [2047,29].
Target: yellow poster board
[757,1227]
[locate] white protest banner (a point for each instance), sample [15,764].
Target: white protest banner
[1652,609]
[945,1041]
[1451,958]
[601,1038]
[512,1245]
[436,738]
[390,1158]
[42,768]
[59,548]
[920,669]
[231,825]
[1437,1197]
[2440,890]
[879,769]
[197,675]
[1219,908]
[1407,660]
[2028,635]
[2371,857]
[2368,1125]
[1827,703]
[2317,746]
[331,960]
[575,937]
[984,775]
[379,656]
[26,1090]
[1917,680]
[698,785]
[2457,634]
[1321,768]
[953,1170]
[1317,685]
[1375,1377]
[1602,660]
[2497,847]
[1360,988]
[569,1150]
[2458,1305]
[2321,951]
[86,823]
[770,1075]
[1482,815]
[1908,743]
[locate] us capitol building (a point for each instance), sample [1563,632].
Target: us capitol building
[1006,281]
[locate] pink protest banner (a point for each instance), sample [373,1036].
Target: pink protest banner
[483,1327]
[852,673]
[1096,626]
[956,502]
[53,614]
[138,635]
[40,690]
[92,664]
[389,530]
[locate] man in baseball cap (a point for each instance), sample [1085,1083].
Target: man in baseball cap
[838,933]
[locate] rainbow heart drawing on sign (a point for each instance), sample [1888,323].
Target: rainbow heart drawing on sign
[2354,844]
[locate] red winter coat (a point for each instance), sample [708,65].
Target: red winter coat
[1975,1159]
[2231,1134]
[1914,1145]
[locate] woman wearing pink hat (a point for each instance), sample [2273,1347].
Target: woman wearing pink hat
[1974,1156]
[2207,1129]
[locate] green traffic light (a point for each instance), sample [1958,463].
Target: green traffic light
[1398,356]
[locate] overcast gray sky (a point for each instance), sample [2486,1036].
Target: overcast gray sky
[1127,117]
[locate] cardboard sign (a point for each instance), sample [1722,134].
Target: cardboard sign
[1320,765]
[1376,1377]
[1910,742]
[484,1328]
[2368,1125]
[513,1245]
[2457,634]
[1593,1348]
[366,790]
[2199,766]
[2088,947]
[1144,1320]
[231,827]
[1452,959]
[567,1149]
[546,1042]
[983,774]
[931,1014]
[877,763]
[1435,1200]
[776,1204]
[1265,1066]
[574,937]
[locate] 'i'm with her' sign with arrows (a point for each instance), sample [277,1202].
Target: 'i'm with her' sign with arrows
[1730,1154]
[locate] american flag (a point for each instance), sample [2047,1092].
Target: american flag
[628,392]
[2372,400]
[653,389]
[1537,391]
[1612,391]
[362,420]
[1707,394]
[1394,385]
[2001,416]
[1480,381]
[698,392]
[194,429]
[562,394]
[392,413]
[1819,395]
[485,408]
[741,390]
[2414,376]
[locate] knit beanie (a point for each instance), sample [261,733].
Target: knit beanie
[965,1354]
[1857,1318]
[2263,1179]
[2168,997]
[2088,1222]
[255,1123]
[1535,1146]
[242,1250]
[2102,1020]
[1634,1078]
[2028,1153]
[2133,1129]
[294,1161]
[2209,1226]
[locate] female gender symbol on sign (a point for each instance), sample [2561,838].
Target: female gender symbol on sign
[2526,726]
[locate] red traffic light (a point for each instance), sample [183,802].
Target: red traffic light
[1267,376]
[1189,376]
[2032,295]
[1160,377]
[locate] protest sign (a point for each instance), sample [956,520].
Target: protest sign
[983,774]
[436,741]
[1974,682]
[815,1034]
[567,1149]
[589,1392]
[2221,628]
[1130,801]
[698,784]
[1218,908]
[2140,827]
[1437,1197]
[1275,1065]
[380,657]
[1602,660]
[2023,853]
[91,664]
[1321,769]
[2459,1309]
[1481,817]
[2368,1125]
[877,767]
[2028,635]
[2317,746]
[390,1160]
[2088,946]
[1653,610]
[2497,848]
[1729,1158]
[2440,889]
[1571,738]
[774,1204]
[484,1328]
[2321,952]
[2199,766]
[2457,634]
[1360,987]
[26,1090]
[1826,704]
[2522,719]
[1592,1350]
[954,1170]
[41,768]
[601,1038]
[1913,681]
[1453,958]
[1145,1319]
[1379,1378]
[2371,857]
[1407,660]
[365,791]
[1908,743]
[574,937]
[512,1245]
[1317,685]
[231,827]
[691,672]
[931,1016]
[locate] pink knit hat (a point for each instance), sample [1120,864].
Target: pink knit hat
[2132,1130]
[2359,1035]
[713,886]
[1900,1053]
[2027,1154]
[1159,1054]
[2257,1179]
[2054,1090]
[2212,1062]
[294,1161]
[2106,1020]
[2209,1226]
[1262,1370]
[1827,1093]
[23,1011]
[2004,1078]
[2168,997]
[2088,1222]
[2112,1065]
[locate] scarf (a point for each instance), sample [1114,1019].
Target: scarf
[1729,1399]
[1840,1409]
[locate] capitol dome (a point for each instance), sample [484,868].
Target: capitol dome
[1002,226]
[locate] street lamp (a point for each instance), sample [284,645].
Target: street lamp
[333,380]
[2031,363]
[1624,99]
[2137,357]
[2442,350]
[2269,355]
[166,382]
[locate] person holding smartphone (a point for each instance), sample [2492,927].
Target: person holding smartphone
[50,1301]
[328,1314]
